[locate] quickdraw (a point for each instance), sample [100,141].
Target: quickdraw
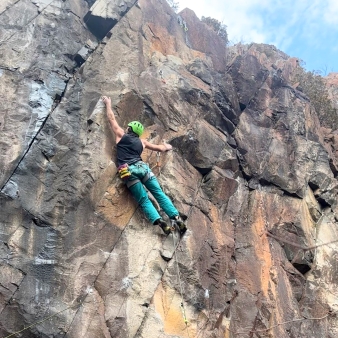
[158,159]
[124,171]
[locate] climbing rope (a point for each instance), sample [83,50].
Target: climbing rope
[180,285]
[177,266]
[47,318]
[75,307]
[158,161]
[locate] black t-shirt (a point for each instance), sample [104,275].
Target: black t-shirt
[129,149]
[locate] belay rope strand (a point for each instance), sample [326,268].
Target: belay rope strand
[158,162]
[46,318]
[176,262]
[75,307]
[180,285]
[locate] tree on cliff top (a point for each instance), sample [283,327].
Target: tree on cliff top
[173,4]
[313,85]
[218,27]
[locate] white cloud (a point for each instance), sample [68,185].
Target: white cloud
[331,14]
[241,26]
[306,27]
[266,20]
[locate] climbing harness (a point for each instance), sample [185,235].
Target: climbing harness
[124,171]
[136,180]
[146,177]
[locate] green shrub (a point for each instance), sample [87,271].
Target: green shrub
[218,27]
[313,85]
[173,4]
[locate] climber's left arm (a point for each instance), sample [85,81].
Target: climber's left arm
[156,147]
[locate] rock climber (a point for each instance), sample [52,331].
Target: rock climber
[136,173]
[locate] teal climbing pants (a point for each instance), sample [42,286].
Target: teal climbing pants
[141,175]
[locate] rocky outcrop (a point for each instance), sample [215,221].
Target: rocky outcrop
[37,61]
[104,14]
[332,86]
[252,170]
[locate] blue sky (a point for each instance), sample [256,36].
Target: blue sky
[307,29]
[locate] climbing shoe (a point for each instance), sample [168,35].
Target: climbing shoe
[181,226]
[163,225]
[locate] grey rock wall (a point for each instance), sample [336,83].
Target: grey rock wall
[250,170]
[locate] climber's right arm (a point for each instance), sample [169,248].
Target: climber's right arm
[118,131]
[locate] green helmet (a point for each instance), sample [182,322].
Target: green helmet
[136,127]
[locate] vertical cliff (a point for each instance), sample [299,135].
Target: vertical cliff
[252,170]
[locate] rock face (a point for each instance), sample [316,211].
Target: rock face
[332,85]
[252,170]
[104,14]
